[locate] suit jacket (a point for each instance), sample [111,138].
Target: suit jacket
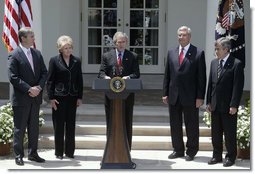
[63,80]
[129,62]
[22,76]
[226,91]
[186,81]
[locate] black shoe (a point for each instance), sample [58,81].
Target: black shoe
[175,155]
[19,161]
[59,157]
[36,158]
[133,165]
[189,158]
[228,163]
[214,161]
[70,156]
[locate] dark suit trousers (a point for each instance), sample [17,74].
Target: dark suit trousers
[26,117]
[64,125]
[129,105]
[224,124]
[191,121]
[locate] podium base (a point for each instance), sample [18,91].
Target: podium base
[118,166]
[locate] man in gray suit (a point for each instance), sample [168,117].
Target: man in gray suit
[27,74]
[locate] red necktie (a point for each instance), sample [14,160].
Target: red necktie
[119,59]
[181,57]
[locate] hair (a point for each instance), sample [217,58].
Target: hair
[23,32]
[63,40]
[184,28]
[224,42]
[119,34]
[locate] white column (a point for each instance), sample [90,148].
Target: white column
[212,7]
[37,22]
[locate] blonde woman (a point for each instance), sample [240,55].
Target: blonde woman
[64,88]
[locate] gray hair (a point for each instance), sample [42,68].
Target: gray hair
[23,32]
[119,34]
[224,42]
[185,28]
[63,40]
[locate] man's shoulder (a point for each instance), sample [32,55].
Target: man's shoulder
[109,53]
[128,52]
[35,50]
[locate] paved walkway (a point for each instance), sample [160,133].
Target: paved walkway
[145,159]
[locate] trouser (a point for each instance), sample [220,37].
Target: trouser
[191,121]
[224,123]
[26,117]
[64,125]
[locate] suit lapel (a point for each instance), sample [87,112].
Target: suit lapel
[187,55]
[34,56]
[125,58]
[113,57]
[24,58]
[176,61]
[226,66]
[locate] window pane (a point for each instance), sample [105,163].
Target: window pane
[151,18]
[94,55]
[136,3]
[94,36]
[152,4]
[151,37]
[95,18]
[151,56]
[136,18]
[110,18]
[136,37]
[95,3]
[110,3]
[139,52]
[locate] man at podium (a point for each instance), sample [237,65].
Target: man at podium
[122,63]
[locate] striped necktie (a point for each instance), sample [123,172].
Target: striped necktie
[220,67]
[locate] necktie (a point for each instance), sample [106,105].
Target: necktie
[181,57]
[30,59]
[220,67]
[119,59]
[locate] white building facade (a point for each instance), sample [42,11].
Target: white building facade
[150,24]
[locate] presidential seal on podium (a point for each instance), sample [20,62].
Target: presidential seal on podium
[117,84]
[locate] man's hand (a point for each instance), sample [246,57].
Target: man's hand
[107,77]
[209,108]
[34,91]
[165,99]
[126,77]
[54,103]
[232,110]
[199,102]
[79,102]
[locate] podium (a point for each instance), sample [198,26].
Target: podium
[117,152]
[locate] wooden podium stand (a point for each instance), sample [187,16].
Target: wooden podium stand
[117,152]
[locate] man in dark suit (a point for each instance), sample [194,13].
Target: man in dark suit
[120,62]
[183,90]
[225,88]
[27,74]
